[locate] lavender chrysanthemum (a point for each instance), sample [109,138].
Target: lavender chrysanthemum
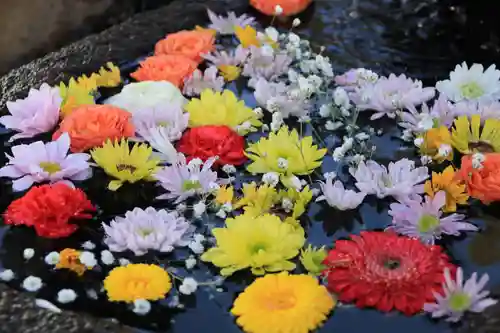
[169,117]
[356,78]
[37,113]
[200,81]
[226,25]
[459,298]
[442,113]
[150,229]
[263,65]
[39,162]
[337,196]
[221,58]
[276,97]
[423,219]
[400,180]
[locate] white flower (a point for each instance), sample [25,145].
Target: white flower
[325,110]
[362,136]
[278,10]
[52,258]
[337,196]
[340,152]
[418,142]
[123,261]
[225,24]
[32,283]
[277,121]
[287,204]
[159,138]
[221,214]
[91,293]
[190,262]
[228,168]
[66,296]
[425,159]
[88,245]
[341,98]
[107,257]
[330,175]
[295,182]
[332,126]
[282,163]
[141,307]
[196,247]
[472,84]
[199,238]
[28,253]
[444,150]
[6,275]
[181,208]
[296,22]
[188,286]
[88,259]
[199,81]
[271,178]
[44,304]
[199,208]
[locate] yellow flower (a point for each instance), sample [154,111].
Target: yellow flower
[247,36]
[433,140]
[202,29]
[74,95]
[70,259]
[108,77]
[257,200]
[299,199]
[137,281]
[224,195]
[283,303]
[285,153]
[263,243]
[124,164]
[215,108]
[468,138]
[456,192]
[230,72]
[312,259]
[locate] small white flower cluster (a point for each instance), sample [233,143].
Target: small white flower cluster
[477,160]
[339,152]
[196,245]
[188,286]
[199,208]
[271,178]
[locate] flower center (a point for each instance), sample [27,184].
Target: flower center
[481,146]
[122,167]
[386,181]
[189,185]
[471,90]
[427,223]
[256,248]
[282,300]
[145,232]
[392,263]
[50,167]
[459,301]
[162,123]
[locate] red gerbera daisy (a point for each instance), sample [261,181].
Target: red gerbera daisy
[386,271]
[49,208]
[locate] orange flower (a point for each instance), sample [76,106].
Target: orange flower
[191,44]
[290,7]
[90,126]
[173,68]
[483,183]
[70,259]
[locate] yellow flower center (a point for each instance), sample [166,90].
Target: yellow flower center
[50,167]
[459,301]
[230,72]
[162,123]
[145,232]
[471,90]
[427,223]
[188,185]
[256,248]
[122,167]
[280,300]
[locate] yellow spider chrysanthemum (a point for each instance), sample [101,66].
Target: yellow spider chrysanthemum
[137,281]
[285,153]
[257,200]
[433,142]
[262,243]
[283,303]
[70,259]
[215,108]
[126,165]
[224,195]
[456,192]
[468,138]
[299,199]
[108,76]
[312,259]
[229,72]
[74,95]
[247,36]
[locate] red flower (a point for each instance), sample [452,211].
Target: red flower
[48,208]
[386,271]
[208,141]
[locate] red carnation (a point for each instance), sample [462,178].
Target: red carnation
[49,208]
[208,141]
[386,271]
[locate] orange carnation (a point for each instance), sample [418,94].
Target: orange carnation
[172,68]
[290,7]
[191,44]
[482,183]
[90,126]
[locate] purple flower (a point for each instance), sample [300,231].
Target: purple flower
[150,229]
[37,113]
[200,81]
[220,58]
[275,97]
[484,110]
[459,297]
[168,117]
[356,78]
[226,25]
[442,112]
[388,95]
[39,162]
[400,180]
[337,196]
[260,64]
[423,220]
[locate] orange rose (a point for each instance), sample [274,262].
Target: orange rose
[191,44]
[483,183]
[90,126]
[173,68]
[290,7]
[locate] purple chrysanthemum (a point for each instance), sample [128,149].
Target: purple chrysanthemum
[225,25]
[200,81]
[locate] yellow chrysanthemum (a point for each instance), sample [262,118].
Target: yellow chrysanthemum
[229,72]
[137,281]
[468,138]
[224,195]
[202,29]
[283,303]
[70,259]
[434,140]
[215,108]
[247,36]
[312,259]
[285,153]
[257,200]
[299,199]
[456,192]
[262,243]
[126,165]
[108,76]
[74,95]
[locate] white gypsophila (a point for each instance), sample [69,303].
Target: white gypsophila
[141,307]
[65,296]
[287,204]
[296,22]
[325,110]
[341,98]
[444,150]
[32,283]
[190,262]
[52,258]
[88,245]
[88,259]
[199,238]
[340,152]
[123,261]
[199,208]
[228,168]
[227,207]
[196,247]
[330,175]
[221,213]
[271,178]
[282,163]
[188,286]
[28,253]
[107,257]
[332,126]
[7,275]
[278,97]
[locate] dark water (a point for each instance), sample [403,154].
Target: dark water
[420,38]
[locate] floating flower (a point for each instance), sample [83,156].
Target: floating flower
[297,200]
[436,143]
[199,81]
[257,200]
[390,94]
[90,126]
[215,108]
[454,188]
[472,84]
[275,97]
[442,113]
[32,283]
[225,195]
[183,180]
[169,121]
[225,25]
[37,113]
[229,64]
[356,78]
[172,68]
[65,296]
[399,180]
[138,97]
[191,44]
[247,36]
[137,281]
[126,165]
[70,259]
[386,271]
[337,196]
[287,7]
[108,76]
[209,141]
[482,183]
[262,243]
[267,66]
[467,137]
[459,297]
[292,303]
[142,230]
[159,138]
[483,109]
[76,94]
[39,162]
[312,259]
[49,209]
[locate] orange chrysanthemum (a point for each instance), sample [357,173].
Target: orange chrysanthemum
[70,259]
[90,126]
[482,183]
[290,7]
[172,68]
[191,44]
